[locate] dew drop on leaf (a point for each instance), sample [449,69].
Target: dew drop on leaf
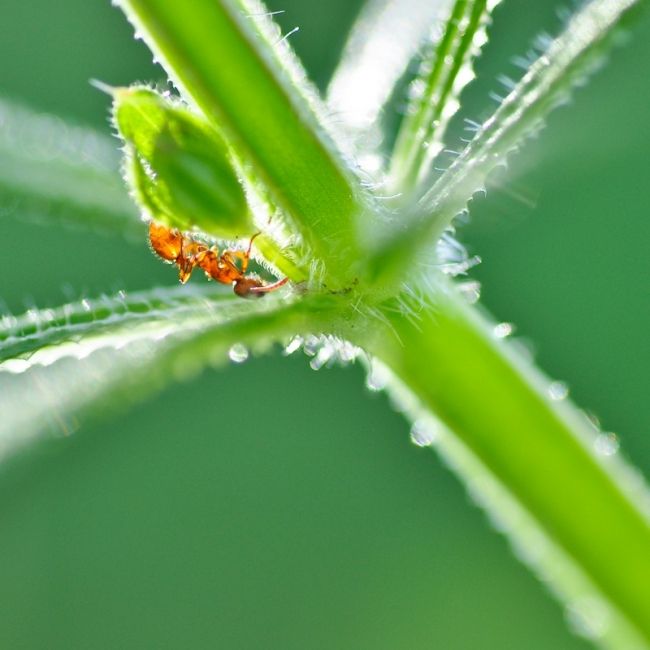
[322,357]
[293,346]
[377,377]
[238,353]
[311,345]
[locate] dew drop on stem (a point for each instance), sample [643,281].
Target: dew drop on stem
[470,291]
[606,444]
[502,330]
[558,391]
[423,434]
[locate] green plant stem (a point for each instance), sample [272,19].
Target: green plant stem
[222,59]
[274,254]
[540,450]
[566,63]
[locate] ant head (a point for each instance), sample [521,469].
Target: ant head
[243,287]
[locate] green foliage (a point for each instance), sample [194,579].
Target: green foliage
[270,121]
[179,166]
[50,170]
[383,41]
[255,123]
[563,63]
[444,72]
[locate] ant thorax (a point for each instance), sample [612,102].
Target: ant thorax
[228,267]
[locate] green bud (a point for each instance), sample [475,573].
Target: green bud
[179,167]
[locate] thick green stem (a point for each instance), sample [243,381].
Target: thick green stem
[223,59]
[540,450]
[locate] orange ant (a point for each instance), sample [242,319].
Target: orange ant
[172,246]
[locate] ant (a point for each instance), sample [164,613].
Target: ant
[173,246]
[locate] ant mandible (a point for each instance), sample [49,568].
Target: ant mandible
[173,246]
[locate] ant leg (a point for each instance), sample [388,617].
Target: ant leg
[267,288]
[185,265]
[247,255]
[189,257]
[229,257]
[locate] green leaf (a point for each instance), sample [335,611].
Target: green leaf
[106,364]
[228,58]
[565,63]
[181,169]
[580,517]
[384,39]
[54,171]
[24,335]
[444,71]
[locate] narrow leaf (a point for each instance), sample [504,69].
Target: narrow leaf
[566,62]
[51,170]
[118,363]
[445,70]
[228,58]
[149,312]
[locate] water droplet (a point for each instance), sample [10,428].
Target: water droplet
[417,89]
[311,345]
[346,352]
[323,355]
[503,329]
[377,377]
[293,345]
[238,353]
[371,163]
[558,391]
[471,291]
[606,444]
[423,433]
[48,315]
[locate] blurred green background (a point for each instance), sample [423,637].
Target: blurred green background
[269,506]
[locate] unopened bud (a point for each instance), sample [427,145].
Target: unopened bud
[179,167]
